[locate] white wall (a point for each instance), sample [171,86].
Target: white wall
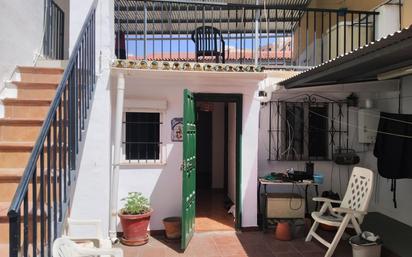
[162,183]
[91,199]
[385,96]
[218,144]
[335,176]
[231,178]
[21,25]
[382,201]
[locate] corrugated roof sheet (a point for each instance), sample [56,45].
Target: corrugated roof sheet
[363,64]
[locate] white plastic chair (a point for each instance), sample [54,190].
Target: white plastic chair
[64,247]
[351,212]
[97,238]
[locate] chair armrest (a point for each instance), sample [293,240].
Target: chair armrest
[347,210]
[87,251]
[96,223]
[324,199]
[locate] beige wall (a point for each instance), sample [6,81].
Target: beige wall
[362,5]
[303,38]
[218,146]
[407,13]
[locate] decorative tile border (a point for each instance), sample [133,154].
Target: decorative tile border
[184,66]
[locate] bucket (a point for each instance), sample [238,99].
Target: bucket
[172,227]
[282,231]
[365,248]
[318,179]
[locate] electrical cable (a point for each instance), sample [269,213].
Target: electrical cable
[291,197]
[355,126]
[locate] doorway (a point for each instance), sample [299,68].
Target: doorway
[217,162]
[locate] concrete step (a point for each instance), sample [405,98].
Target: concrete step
[35,90]
[17,129]
[15,154]
[4,222]
[9,181]
[25,108]
[4,250]
[40,74]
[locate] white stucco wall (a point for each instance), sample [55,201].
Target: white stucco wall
[162,184]
[336,176]
[91,198]
[382,201]
[231,178]
[218,135]
[21,24]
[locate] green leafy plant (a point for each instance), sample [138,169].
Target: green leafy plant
[135,204]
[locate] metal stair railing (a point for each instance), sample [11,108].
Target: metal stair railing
[43,197]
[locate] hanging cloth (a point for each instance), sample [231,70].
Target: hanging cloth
[393,148]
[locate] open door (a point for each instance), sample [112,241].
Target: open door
[188,168]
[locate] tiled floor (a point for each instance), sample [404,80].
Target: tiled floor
[211,214]
[232,244]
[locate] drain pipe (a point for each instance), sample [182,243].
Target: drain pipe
[116,158]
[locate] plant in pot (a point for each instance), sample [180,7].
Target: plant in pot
[134,218]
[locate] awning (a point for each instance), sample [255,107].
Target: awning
[364,64]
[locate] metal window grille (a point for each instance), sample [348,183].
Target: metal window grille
[142,137]
[307,127]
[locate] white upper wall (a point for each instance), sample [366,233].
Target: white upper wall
[21,25]
[162,183]
[91,199]
[382,201]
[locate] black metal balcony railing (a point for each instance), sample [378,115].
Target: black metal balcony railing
[42,198]
[270,35]
[53,41]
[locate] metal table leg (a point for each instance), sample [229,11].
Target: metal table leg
[306,200]
[265,224]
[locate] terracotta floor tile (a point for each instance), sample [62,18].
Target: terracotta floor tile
[211,214]
[231,250]
[232,244]
[289,255]
[153,252]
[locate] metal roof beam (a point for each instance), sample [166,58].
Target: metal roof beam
[184,32]
[216,21]
[191,7]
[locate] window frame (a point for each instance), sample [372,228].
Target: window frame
[162,146]
[337,134]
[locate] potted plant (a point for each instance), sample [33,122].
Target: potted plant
[134,218]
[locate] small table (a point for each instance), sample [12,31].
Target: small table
[266,182]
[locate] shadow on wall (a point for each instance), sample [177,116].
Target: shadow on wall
[166,196]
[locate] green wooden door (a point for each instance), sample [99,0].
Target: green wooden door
[188,168]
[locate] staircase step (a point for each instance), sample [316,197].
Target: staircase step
[40,70]
[11,174]
[15,154]
[26,102]
[26,108]
[40,74]
[16,146]
[4,250]
[9,181]
[35,90]
[17,129]
[4,222]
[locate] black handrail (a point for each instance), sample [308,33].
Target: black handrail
[53,157]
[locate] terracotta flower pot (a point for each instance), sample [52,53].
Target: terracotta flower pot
[283,232]
[135,228]
[172,227]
